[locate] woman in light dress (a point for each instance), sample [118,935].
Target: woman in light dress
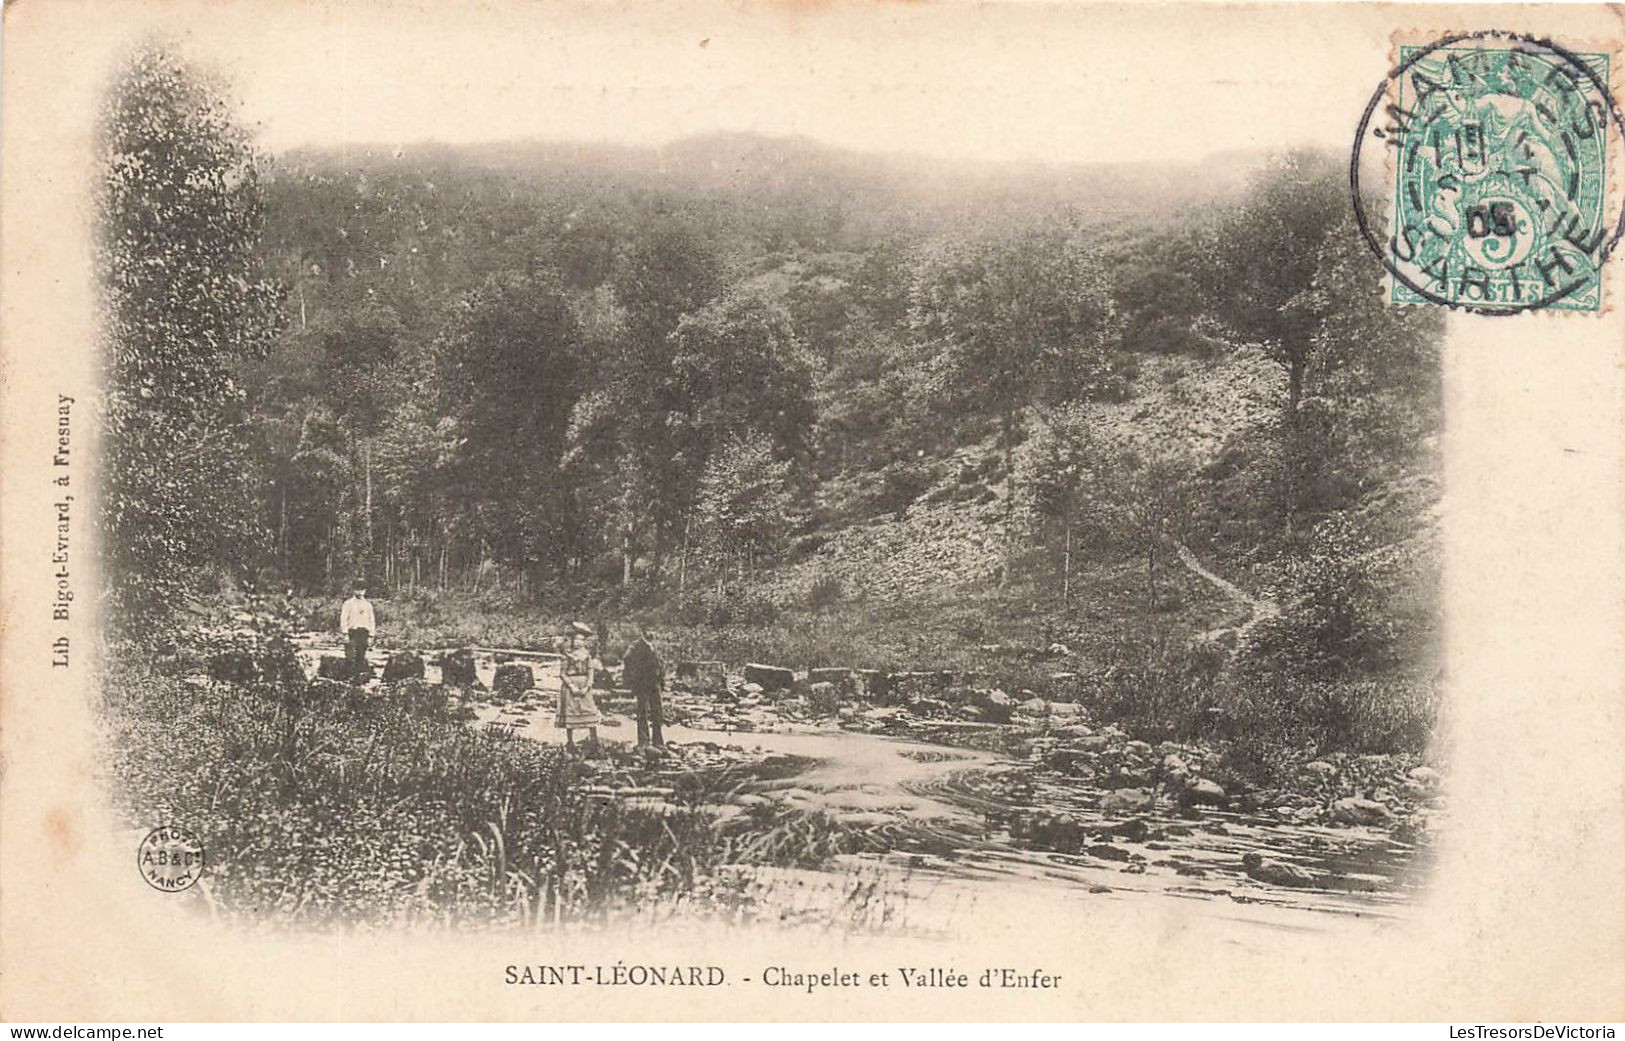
[576,705]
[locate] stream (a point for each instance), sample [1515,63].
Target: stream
[937,817]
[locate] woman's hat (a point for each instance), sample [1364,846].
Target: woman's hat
[581,629]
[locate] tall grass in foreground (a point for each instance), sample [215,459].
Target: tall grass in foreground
[361,809]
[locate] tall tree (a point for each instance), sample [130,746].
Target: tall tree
[1152,505]
[1374,392]
[1060,471]
[737,364]
[366,381]
[1266,253]
[668,270]
[1287,270]
[1023,318]
[743,504]
[179,218]
[1263,263]
[514,372]
[738,369]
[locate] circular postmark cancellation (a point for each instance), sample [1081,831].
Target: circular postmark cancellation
[1498,147]
[170,859]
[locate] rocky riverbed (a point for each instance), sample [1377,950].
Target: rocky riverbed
[935,793]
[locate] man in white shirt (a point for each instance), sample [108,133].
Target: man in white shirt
[357,623]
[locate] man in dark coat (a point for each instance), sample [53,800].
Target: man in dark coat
[644,674]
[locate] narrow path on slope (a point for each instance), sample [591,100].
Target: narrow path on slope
[1258,608]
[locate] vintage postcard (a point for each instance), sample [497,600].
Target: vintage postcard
[710,511]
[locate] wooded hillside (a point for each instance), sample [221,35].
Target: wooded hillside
[751,380]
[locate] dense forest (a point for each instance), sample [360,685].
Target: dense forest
[586,368]
[701,379]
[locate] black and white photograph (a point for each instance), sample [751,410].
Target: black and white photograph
[690,499]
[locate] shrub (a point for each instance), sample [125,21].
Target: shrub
[1369,715]
[718,608]
[807,545]
[900,484]
[825,591]
[1155,687]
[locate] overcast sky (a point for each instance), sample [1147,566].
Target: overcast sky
[1017,80]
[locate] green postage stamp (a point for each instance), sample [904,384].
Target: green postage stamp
[1499,150]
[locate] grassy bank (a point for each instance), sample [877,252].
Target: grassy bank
[337,807]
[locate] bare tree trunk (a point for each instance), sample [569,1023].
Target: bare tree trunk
[1009,497]
[282,532]
[1151,571]
[1297,367]
[366,542]
[682,561]
[626,556]
[1066,568]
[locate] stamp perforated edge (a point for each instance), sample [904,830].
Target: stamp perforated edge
[1613,175]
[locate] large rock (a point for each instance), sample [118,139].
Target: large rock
[1425,776]
[910,686]
[1135,829]
[996,705]
[1065,685]
[1202,792]
[457,670]
[933,708]
[840,679]
[403,665]
[1276,872]
[234,666]
[1057,832]
[1071,760]
[824,699]
[1124,777]
[873,684]
[1355,810]
[420,698]
[513,679]
[705,677]
[1126,800]
[333,667]
[770,677]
